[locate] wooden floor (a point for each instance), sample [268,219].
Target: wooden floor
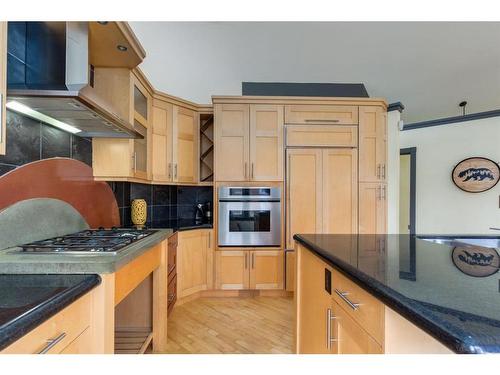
[231,325]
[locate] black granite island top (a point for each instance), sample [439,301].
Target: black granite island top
[450,290]
[26,301]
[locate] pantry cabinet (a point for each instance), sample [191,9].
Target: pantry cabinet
[249,269]
[3,85]
[249,142]
[194,261]
[372,144]
[321,191]
[161,141]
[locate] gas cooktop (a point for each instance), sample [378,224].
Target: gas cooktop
[92,241]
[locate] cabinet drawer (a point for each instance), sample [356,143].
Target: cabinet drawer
[71,322]
[360,305]
[321,114]
[81,345]
[322,135]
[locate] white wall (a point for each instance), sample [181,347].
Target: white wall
[393,118]
[441,206]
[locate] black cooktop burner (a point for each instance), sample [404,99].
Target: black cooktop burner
[108,241]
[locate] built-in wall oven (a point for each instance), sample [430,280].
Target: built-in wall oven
[249,216]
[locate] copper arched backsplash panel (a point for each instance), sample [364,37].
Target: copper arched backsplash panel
[66,179]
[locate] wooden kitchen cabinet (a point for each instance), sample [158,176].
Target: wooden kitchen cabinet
[232,269]
[372,208]
[313,304]
[130,99]
[232,132]
[321,191]
[194,261]
[349,336]
[290,270]
[266,143]
[321,114]
[304,193]
[249,269]
[3,85]
[161,141]
[249,142]
[185,145]
[372,144]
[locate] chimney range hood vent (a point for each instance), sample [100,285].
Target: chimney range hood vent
[47,68]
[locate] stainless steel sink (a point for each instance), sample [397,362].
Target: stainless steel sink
[491,242]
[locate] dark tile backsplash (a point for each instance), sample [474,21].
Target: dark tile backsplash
[29,140]
[165,203]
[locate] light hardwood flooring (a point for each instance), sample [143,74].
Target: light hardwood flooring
[257,325]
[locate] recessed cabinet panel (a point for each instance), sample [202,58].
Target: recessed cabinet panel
[321,136]
[185,145]
[321,114]
[266,143]
[232,269]
[304,192]
[231,142]
[266,269]
[372,144]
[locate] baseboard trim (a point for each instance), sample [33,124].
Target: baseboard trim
[233,294]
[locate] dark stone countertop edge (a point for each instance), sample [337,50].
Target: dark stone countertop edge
[38,315]
[395,300]
[193,227]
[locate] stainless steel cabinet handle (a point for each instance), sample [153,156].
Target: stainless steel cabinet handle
[169,171]
[344,295]
[175,171]
[245,171]
[252,171]
[329,318]
[378,170]
[321,120]
[253,260]
[246,260]
[383,171]
[52,342]
[134,158]
[385,193]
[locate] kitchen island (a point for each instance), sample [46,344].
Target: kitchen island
[396,294]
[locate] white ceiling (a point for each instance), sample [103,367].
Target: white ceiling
[429,67]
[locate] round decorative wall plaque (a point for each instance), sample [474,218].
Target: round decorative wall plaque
[475,175]
[475,260]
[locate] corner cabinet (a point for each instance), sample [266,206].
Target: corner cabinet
[132,101]
[3,85]
[245,268]
[174,146]
[249,142]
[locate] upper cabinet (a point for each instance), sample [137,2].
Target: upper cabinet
[372,144]
[321,114]
[131,99]
[248,142]
[3,84]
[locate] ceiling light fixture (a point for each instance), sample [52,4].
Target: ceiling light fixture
[25,110]
[121,48]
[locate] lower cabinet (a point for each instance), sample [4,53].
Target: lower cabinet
[334,315]
[249,269]
[194,261]
[69,332]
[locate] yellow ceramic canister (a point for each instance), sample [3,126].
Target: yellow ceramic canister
[139,213]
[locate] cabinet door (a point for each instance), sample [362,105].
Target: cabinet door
[304,193]
[208,242]
[313,304]
[3,84]
[372,144]
[266,269]
[321,114]
[192,261]
[290,270]
[141,115]
[232,269]
[340,191]
[372,208]
[349,337]
[161,143]
[266,143]
[185,147]
[231,139]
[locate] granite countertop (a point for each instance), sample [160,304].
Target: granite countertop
[26,301]
[14,262]
[431,284]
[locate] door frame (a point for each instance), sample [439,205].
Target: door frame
[412,151]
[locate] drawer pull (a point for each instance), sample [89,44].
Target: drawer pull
[343,295]
[321,120]
[52,342]
[329,339]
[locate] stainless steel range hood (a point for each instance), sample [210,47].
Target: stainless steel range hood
[47,71]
